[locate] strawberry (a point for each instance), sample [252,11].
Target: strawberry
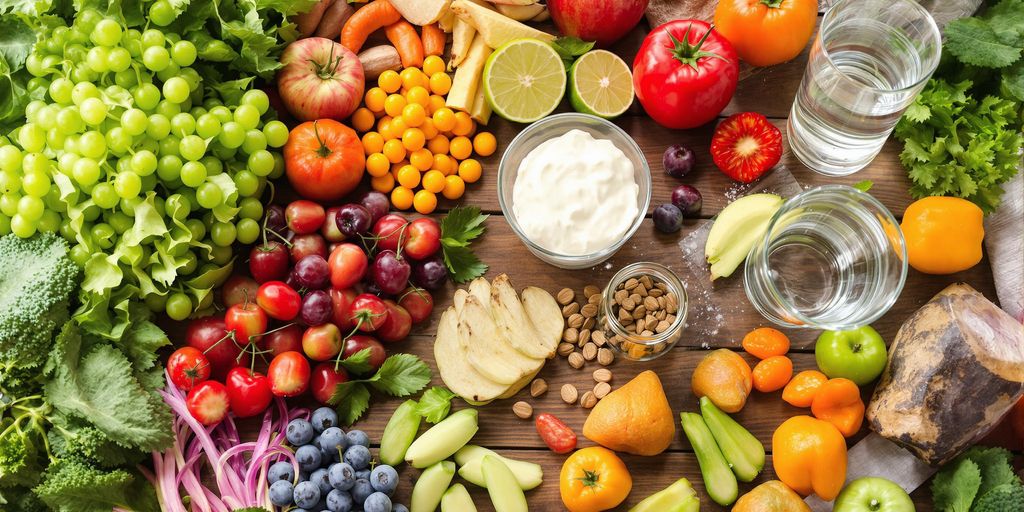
[745,146]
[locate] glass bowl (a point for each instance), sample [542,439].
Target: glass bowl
[643,281]
[555,126]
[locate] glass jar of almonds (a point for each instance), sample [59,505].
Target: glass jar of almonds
[643,311]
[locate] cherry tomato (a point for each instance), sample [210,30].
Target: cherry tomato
[422,238]
[304,216]
[341,300]
[247,321]
[248,392]
[278,300]
[348,264]
[188,367]
[288,374]
[359,342]
[557,435]
[397,325]
[324,379]
[238,289]
[305,245]
[367,312]
[268,262]
[282,339]
[208,402]
[767,33]
[418,302]
[210,336]
[321,342]
[390,231]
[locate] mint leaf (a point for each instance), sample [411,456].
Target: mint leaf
[954,488]
[995,467]
[975,42]
[351,399]
[568,48]
[401,375]
[435,404]
[358,363]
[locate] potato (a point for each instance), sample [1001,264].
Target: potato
[379,59]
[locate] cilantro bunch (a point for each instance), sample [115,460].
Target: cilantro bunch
[962,135]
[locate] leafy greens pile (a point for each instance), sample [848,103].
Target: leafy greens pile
[979,480]
[962,135]
[77,412]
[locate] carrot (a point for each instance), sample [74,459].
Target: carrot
[433,40]
[405,39]
[374,15]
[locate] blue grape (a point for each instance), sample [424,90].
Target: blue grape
[306,495]
[384,479]
[282,470]
[324,418]
[361,491]
[377,502]
[358,437]
[309,457]
[281,493]
[358,456]
[332,439]
[363,473]
[342,476]
[321,478]
[340,501]
[397,507]
[299,432]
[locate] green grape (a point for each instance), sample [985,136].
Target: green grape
[75,52]
[119,221]
[179,205]
[9,203]
[80,254]
[104,195]
[247,183]
[87,20]
[31,208]
[261,163]
[191,264]
[86,171]
[276,133]
[222,234]
[126,79]
[96,59]
[169,168]
[258,99]
[82,74]
[197,111]
[124,164]
[153,37]
[158,127]
[224,153]
[66,162]
[54,202]
[127,185]
[60,90]
[146,96]
[183,124]
[34,64]
[32,138]
[46,117]
[250,208]
[254,141]
[106,33]
[148,144]
[66,230]
[119,59]
[49,222]
[192,77]
[169,146]
[179,306]
[36,184]
[55,138]
[278,167]
[213,165]
[183,53]
[10,182]
[37,85]
[128,205]
[148,183]
[119,141]
[232,135]
[35,162]
[176,89]
[222,113]
[91,213]
[248,230]
[134,121]
[31,109]
[143,162]
[247,116]
[155,302]
[193,174]
[71,143]
[83,91]
[168,109]
[209,195]
[5,225]
[155,58]
[23,227]
[103,234]
[69,121]
[192,147]
[207,125]
[92,144]
[10,158]
[93,111]
[171,71]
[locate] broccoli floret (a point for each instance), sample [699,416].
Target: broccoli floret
[36,281]
[75,440]
[1004,498]
[19,457]
[73,486]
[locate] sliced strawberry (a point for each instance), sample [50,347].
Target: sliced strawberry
[745,146]
[208,402]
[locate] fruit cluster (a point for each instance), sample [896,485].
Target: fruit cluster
[334,470]
[330,303]
[418,141]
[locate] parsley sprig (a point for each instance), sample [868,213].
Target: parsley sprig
[400,375]
[459,228]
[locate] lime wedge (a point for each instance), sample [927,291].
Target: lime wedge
[600,84]
[524,80]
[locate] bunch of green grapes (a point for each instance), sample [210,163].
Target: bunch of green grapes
[125,129]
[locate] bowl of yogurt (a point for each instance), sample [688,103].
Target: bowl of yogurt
[574,188]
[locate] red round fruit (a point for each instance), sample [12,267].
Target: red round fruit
[422,238]
[341,300]
[348,265]
[304,217]
[269,262]
[367,312]
[330,230]
[210,336]
[278,300]
[418,302]
[248,392]
[358,342]
[306,245]
[247,321]
[390,231]
[324,160]
[187,367]
[208,402]
[288,374]
[283,339]
[324,379]
[239,289]
[320,79]
[321,342]
[397,325]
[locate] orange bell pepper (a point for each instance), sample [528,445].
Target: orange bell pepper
[594,479]
[943,234]
[801,389]
[809,455]
[838,402]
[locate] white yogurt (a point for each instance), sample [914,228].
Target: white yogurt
[575,195]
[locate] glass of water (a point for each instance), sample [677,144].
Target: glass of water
[833,258]
[867,64]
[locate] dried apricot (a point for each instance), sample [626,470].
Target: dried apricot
[766,342]
[772,374]
[725,378]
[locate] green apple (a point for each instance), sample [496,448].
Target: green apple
[873,494]
[858,355]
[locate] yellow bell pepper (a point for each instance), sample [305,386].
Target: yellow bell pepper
[809,456]
[943,234]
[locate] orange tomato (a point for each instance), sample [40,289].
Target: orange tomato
[809,455]
[800,390]
[594,479]
[324,159]
[766,32]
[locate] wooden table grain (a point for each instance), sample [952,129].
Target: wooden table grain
[769,91]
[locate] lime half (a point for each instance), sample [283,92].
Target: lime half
[600,84]
[524,80]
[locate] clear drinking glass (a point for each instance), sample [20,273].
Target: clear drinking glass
[867,64]
[833,258]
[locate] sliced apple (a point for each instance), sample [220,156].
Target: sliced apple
[512,322]
[422,12]
[545,314]
[520,12]
[495,28]
[452,363]
[470,457]
[487,350]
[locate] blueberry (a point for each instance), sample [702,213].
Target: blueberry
[358,437]
[342,476]
[306,495]
[358,456]
[363,473]
[299,432]
[332,439]
[361,491]
[668,218]
[397,507]
[309,457]
[324,418]
[377,502]
[678,161]
[281,493]
[384,479]
[321,478]
[340,501]
[281,470]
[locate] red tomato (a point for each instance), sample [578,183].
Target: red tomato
[423,238]
[248,392]
[324,159]
[397,325]
[188,367]
[367,312]
[418,302]
[341,300]
[283,339]
[238,289]
[348,264]
[324,379]
[210,336]
[321,342]
[685,73]
[208,402]
[288,374]
[359,342]
[247,321]
[278,300]
[304,217]
[557,435]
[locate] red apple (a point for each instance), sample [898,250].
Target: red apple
[321,79]
[603,21]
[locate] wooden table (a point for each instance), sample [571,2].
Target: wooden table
[769,92]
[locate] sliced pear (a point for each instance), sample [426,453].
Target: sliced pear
[457,499]
[520,12]
[399,433]
[467,76]
[487,350]
[444,439]
[512,322]
[428,492]
[422,12]
[456,372]
[470,459]
[505,493]
[481,289]
[495,28]
[736,229]
[459,299]
[545,314]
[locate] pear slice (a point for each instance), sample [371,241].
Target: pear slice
[470,459]
[736,229]
[457,499]
[443,440]
[505,493]
[512,322]
[481,289]
[545,314]
[430,486]
[487,350]
[453,365]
